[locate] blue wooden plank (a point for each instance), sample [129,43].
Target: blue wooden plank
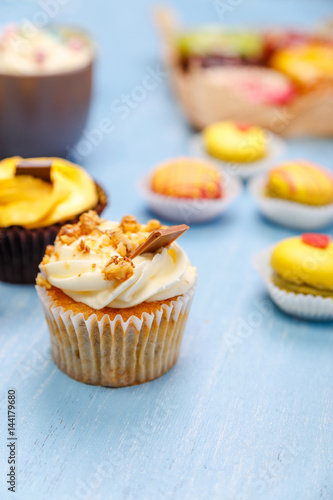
[246,414]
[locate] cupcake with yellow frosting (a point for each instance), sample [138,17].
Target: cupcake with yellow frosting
[298,273]
[37,196]
[116,297]
[296,193]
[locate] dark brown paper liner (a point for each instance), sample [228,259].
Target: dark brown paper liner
[21,249]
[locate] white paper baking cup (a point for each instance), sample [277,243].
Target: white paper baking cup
[189,211]
[296,304]
[116,353]
[276,148]
[289,213]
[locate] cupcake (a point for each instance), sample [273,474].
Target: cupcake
[296,194]
[298,272]
[188,190]
[37,196]
[45,89]
[238,148]
[116,297]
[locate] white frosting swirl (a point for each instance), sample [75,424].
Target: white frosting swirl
[37,52]
[157,276]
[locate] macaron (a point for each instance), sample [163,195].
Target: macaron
[302,182]
[235,142]
[188,178]
[189,190]
[304,264]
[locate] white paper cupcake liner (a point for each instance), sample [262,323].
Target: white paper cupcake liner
[116,353]
[289,213]
[189,211]
[276,148]
[296,304]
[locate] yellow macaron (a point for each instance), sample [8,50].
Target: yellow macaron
[302,182]
[304,264]
[235,142]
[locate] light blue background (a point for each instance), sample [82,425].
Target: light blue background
[246,414]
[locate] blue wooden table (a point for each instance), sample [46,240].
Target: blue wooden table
[247,412]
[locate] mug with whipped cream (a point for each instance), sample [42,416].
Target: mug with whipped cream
[114,320]
[45,89]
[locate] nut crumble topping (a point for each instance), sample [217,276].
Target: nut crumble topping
[119,268]
[121,249]
[67,240]
[129,224]
[49,250]
[82,247]
[40,281]
[152,225]
[123,238]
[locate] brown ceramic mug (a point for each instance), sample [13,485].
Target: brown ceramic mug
[44,115]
